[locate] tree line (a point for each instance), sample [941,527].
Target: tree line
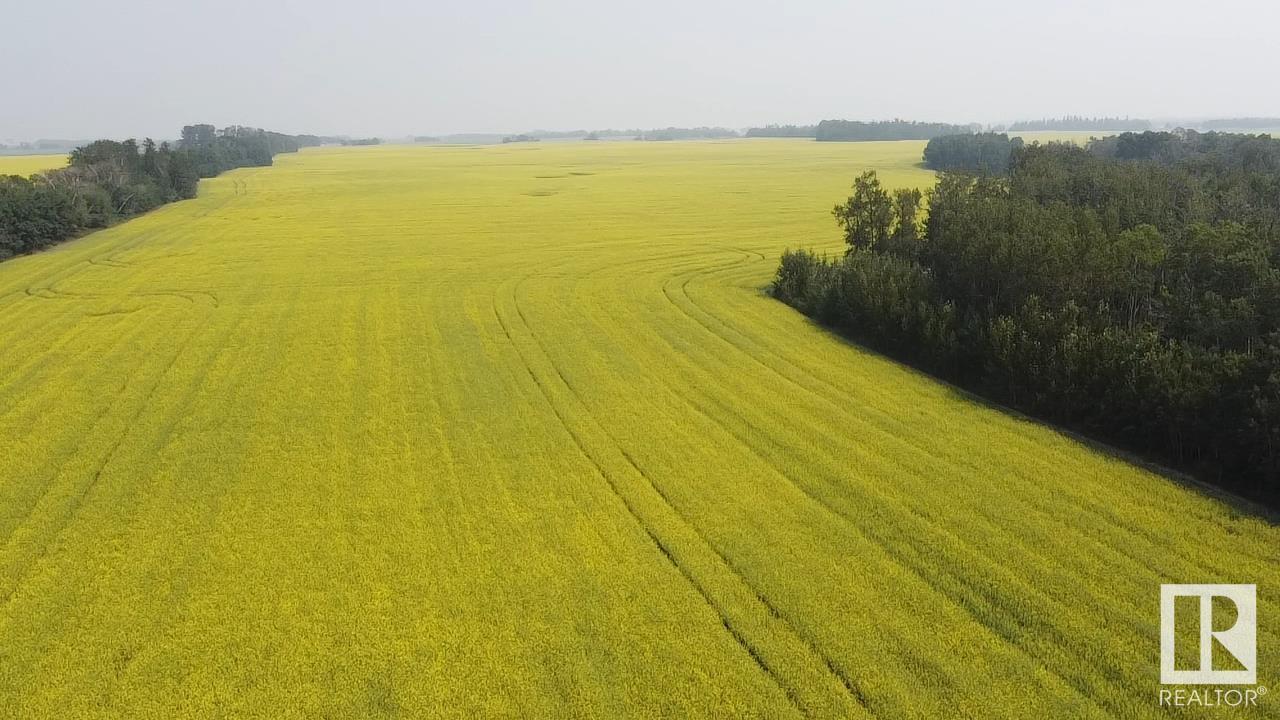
[41,146]
[1129,289]
[800,131]
[1240,123]
[1077,122]
[106,181]
[697,133]
[856,130]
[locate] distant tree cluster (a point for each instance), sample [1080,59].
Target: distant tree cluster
[854,130]
[107,180]
[1244,123]
[672,133]
[1076,122]
[983,153]
[784,131]
[582,134]
[357,142]
[697,133]
[558,134]
[315,140]
[1130,289]
[215,151]
[39,146]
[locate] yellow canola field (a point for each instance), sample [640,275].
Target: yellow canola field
[26,165]
[514,431]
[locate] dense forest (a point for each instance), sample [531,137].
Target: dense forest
[1076,122]
[107,181]
[854,130]
[1129,289]
[789,131]
[984,153]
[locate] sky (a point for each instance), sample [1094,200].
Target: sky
[77,69]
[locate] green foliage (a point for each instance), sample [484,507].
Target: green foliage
[215,151]
[867,215]
[904,233]
[1131,289]
[33,217]
[874,219]
[318,140]
[985,153]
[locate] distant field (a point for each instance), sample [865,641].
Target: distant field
[513,430]
[25,165]
[1079,137]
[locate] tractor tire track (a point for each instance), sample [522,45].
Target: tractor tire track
[849,686]
[748,646]
[77,500]
[892,553]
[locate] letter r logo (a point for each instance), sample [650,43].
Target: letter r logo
[1240,640]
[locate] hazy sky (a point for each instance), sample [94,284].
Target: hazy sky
[87,68]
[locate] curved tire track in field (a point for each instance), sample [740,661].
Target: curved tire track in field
[78,259]
[894,548]
[846,679]
[897,555]
[52,293]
